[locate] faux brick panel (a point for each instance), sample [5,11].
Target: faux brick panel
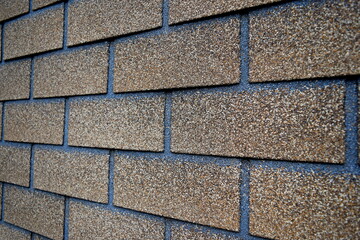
[180,190]
[76,174]
[298,205]
[7,233]
[35,122]
[301,125]
[36,212]
[93,20]
[201,56]
[300,42]
[128,123]
[15,165]
[13,8]
[110,225]
[75,73]
[40,33]
[182,233]
[36,4]
[184,10]
[15,80]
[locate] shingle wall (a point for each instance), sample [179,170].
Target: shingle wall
[179,119]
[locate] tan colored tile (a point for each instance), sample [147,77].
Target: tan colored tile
[7,233]
[183,233]
[36,4]
[13,8]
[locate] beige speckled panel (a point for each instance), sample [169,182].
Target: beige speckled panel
[36,4]
[201,56]
[301,125]
[86,222]
[184,10]
[12,8]
[15,80]
[40,33]
[1,186]
[1,114]
[127,123]
[299,42]
[36,212]
[7,233]
[94,20]
[15,165]
[184,233]
[76,174]
[298,205]
[35,122]
[202,193]
[76,73]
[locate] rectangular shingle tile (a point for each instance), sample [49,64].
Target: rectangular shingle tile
[76,174]
[13,8]
[184,10]
[15,80]
[76,73]
[318,39]
[128,123]
[35,122]
[7,233]
[36,212]
[94,20]
[299,205]
[186,233]
[36,4]
[301,125]
[106,224]
[202,193]
[35,34]
[15,165]
[202,56]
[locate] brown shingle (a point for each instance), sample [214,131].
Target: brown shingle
[7,233]
[13,8]
[36,4]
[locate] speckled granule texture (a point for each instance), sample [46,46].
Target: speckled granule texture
[15,165]
[35,122]
[299,205]
[301,125]
[94,19]
[88,222]
[299,42]
[1,186]
[15,80]
[12,8]
[36,4]
[201,193]
[36,212]
[128,123]
[39,33]
[185,10]
[199,56]
[7,233]
[76,174]
[1,114]
[183,233]
[76,73]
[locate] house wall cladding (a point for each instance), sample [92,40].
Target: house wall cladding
[179,119]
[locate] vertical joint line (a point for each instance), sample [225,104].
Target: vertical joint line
[32,153]
[165,15]
[111,179]
[244,51]
[244,199]
[66,121]
[65,24]
[351,126]
[167,123]
[110,83]
[167,229]
[66,218]
[30,6]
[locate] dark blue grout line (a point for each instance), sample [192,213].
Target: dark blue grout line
[66,122]
[244,198]
[65,26]
[15,227]
[111,179]
[167,233]
[71,149]
[30,6]
[111,66]
[32,72]
[165,16]
[32,161]
[167,124]
[351,124]
[66,217]
[244,52]
[36,100]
